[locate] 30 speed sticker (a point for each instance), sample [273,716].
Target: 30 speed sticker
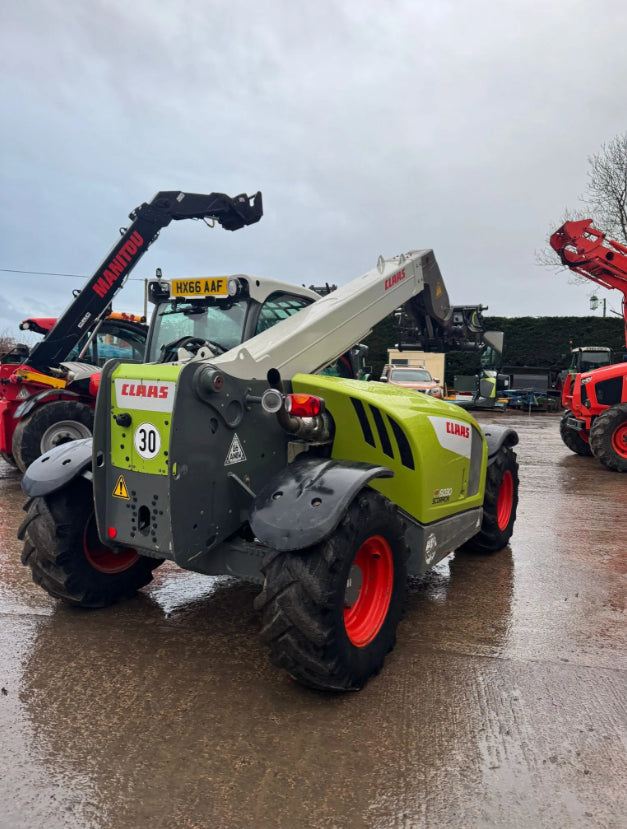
[147,441]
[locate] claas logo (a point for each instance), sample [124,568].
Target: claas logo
[141,390]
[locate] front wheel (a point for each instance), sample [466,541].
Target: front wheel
[499,504]
[67,558]
[330,612]
[48,426]
[608,438]
[576,441]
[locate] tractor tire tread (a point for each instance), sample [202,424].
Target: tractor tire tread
[572,439]
[601,434]
[491,538]
[52,535]
[27,438]
[299,597]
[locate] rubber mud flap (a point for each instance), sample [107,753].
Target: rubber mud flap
[306,501]
[56,468]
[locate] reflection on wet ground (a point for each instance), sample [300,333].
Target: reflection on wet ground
[503,703]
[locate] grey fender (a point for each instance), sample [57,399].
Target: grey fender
[56,468]
[498,436]
[305,502]
[43,397]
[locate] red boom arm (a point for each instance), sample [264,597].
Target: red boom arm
[585,250]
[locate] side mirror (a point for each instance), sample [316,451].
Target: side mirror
[486,388]
[436,379]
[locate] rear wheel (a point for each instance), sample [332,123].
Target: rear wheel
[499,504]
[330,612]
[608,438]
[576,441]
[66,556]
[48,426]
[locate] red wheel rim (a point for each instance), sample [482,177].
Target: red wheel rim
[505,500]
[619,440]
[103,558]
[374,566]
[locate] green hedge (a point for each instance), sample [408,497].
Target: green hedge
[538,342]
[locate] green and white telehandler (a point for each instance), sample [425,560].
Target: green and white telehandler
[248,447]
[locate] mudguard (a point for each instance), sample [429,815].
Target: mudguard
[305,502]
[43,397]
[56,468]
[497,436]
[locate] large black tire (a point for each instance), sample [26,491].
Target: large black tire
[66,557]
[608,438]
[48,426]
[330,612]
[576,441]
[499,504]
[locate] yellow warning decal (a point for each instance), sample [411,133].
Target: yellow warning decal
[120,490]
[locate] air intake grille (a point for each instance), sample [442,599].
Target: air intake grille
[391,435]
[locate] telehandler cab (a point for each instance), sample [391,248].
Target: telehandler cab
[266,460]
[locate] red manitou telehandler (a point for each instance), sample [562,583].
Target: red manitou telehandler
[41,408]
[595,420]
[47,394]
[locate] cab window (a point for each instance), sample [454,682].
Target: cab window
[218,322]
[110,341]
[279,307]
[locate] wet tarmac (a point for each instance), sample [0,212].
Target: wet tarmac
[503,704]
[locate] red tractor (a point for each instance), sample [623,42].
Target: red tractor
[595,420]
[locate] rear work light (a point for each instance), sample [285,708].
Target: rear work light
[94,384]
[303,405]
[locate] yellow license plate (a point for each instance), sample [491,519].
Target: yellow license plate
[199,287]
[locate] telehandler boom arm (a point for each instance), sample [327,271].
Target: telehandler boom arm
[318,334]
[146,222]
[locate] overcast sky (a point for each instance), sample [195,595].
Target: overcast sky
[371,128]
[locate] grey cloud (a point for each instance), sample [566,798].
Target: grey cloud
[370,129]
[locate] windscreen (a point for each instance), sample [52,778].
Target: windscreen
[220,322]
[411,375]
[589,360]
[594,359]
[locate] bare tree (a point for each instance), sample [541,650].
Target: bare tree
[7,342]
[605,200]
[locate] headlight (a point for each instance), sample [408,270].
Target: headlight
[435,391]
